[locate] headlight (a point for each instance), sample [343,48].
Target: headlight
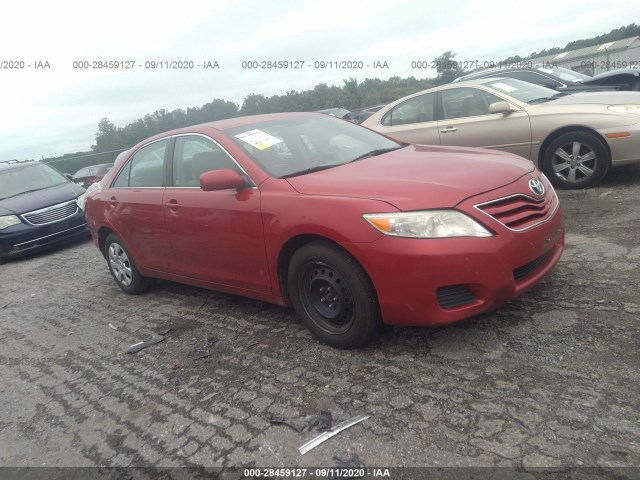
[625,108]
[80,201]
[8,220]
[427,224]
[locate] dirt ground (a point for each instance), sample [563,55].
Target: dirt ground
[549,380]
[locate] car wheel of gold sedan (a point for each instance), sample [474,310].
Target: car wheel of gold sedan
[576,160]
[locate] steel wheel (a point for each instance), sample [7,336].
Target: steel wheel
[576,160]
[122,267]
[328,297]
[333,295]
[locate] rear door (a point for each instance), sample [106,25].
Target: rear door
[412,121]
[134,207]
[216,236]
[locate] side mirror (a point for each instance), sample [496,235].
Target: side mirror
[500,107]
[221,180]
[69,176]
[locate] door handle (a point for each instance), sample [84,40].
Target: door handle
[172,204]
[113,201]
[449,129]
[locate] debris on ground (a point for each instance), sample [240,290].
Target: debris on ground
[323,437]
[156,338]
[353,462]
[279,421]
[320,422]
[112,326]
[174,366]
[205,351]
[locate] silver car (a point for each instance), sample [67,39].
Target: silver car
[574,139]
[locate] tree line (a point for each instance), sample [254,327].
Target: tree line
[352,95]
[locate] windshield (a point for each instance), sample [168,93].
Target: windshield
[35,176]
[565,74]
[523,91]
[299,145]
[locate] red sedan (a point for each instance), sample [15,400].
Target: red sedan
[350,227]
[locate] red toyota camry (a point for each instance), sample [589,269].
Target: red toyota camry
[350,227]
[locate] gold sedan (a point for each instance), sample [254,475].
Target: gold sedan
[574,139]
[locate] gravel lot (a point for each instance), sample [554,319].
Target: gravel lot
[549,380]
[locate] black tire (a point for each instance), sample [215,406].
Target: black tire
[333,296]
[122,267]
[576,160]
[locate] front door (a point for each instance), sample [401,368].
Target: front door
[216,236]
[466,122]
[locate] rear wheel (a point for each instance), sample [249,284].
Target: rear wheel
[122,267]
[576,160]
[333,296]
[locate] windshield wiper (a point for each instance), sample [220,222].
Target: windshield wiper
[374,153]
[547,99]
[324,166]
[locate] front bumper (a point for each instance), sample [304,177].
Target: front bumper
[441,281]
[23,239]
[624,149]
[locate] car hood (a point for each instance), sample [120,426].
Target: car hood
[600,98]
[30,201]
[418,176]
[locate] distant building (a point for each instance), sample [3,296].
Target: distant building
[623,53]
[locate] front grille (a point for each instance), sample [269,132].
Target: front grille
[521,272]
[455,296]
[519,212]
[52,214]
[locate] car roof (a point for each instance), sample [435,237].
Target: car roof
[496,70]
[466,83]
[8,164]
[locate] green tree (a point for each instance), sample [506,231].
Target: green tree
[447,67]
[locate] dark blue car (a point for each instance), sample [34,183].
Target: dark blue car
[39,208]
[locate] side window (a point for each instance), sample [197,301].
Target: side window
[415,110]
[145,168]
[193,155]
[466,102]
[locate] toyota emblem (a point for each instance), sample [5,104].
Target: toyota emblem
[536,186]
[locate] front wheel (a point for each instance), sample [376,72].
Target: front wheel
[122,267]
[576,160]
[333,296]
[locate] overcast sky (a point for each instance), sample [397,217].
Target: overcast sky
[47,112]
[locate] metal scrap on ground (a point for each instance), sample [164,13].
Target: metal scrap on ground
[136,347]
[323,437]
